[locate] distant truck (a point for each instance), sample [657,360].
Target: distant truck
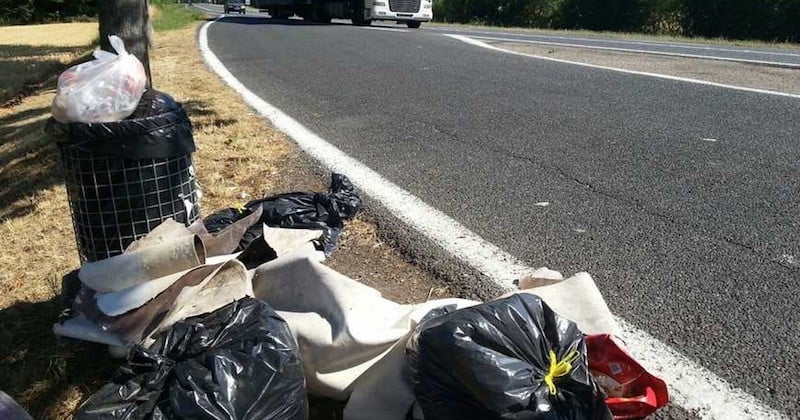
[361,12]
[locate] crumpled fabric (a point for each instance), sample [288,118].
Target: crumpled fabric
[343,327]
[239,362]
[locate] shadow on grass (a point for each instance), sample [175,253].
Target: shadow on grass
[29,160]
[202,115]
[41,371]
[24,68]
[38,369]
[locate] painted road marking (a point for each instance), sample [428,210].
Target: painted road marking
[628,42]
[691,385]
[378,28]
[482,44]
[665,53]
[709,139]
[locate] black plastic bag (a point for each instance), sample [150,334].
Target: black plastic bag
[299,210]
[162,131]
[491,361]
[153,103]
[238,362]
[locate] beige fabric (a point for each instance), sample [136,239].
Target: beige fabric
[143,264]
[352,340]
[579,300]
[342,326]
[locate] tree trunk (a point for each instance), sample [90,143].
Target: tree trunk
[129,20]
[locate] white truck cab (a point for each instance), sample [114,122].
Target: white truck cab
[412,12]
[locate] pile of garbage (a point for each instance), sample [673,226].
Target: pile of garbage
[236,316]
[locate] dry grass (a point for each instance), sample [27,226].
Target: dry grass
[31,54]
[239,157]
[55,34]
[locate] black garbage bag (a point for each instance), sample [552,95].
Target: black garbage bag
[154,102]
[163,131]
[512,358]
[238,362]
[300,210]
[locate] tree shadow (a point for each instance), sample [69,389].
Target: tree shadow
[24,67]
[196,108]
[39,370]
[202,115]
[29,160]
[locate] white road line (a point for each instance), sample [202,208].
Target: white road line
[692,386]
[613,41]
[639,51]
[708,139]
[481,44]
[378,28]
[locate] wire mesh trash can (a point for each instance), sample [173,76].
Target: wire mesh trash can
[124,178]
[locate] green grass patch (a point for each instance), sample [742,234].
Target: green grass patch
[174,16]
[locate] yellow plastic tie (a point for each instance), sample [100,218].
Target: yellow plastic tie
[558,369]
[240,207]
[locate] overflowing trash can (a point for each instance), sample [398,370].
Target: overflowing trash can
[124,178]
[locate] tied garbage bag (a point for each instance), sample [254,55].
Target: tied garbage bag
[238,362]
[512,358]
[297,210]
[105,89]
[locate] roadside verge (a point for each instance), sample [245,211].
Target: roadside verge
[239,157]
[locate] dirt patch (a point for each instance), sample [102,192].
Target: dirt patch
[364,257]
[239,158]
[738,74]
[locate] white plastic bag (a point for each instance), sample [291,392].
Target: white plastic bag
[105,89]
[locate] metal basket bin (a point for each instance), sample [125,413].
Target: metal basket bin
[124,178]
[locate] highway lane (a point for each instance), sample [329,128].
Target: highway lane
[762,55]
[694,241]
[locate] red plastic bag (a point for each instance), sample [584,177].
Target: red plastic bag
[633,393]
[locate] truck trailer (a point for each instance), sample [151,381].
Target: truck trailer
[361,12]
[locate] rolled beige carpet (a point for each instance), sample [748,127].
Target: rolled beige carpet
[143,264]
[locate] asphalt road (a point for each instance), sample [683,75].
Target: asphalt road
[695,241]
[770,56]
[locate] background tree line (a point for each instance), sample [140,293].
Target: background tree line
[773,20]
[38,11]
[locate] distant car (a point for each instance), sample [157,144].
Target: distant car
[235,6]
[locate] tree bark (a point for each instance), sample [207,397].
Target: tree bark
[129,20]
